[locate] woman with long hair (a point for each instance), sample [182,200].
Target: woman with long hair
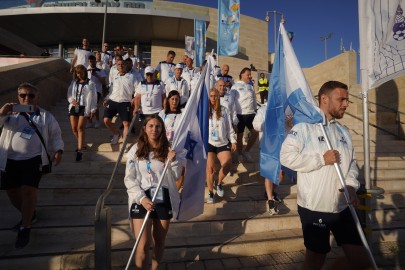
[171,116]
[222,140]
[145,165]
[82,98]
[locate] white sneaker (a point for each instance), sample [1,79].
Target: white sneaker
[248,157]
[89,125]
[220,191]
[241,158]
[210,198]
[97,124]
[115,139]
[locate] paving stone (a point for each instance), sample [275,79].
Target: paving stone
[231,263]
[288,266]
[281,258]
[265,260]
[196,265]
[176,266]
[297,256]
[249,262]
[214,264]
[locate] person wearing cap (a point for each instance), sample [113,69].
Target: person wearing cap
[179,84]
[119,99]
[166,68]
[150,95]
[189,73]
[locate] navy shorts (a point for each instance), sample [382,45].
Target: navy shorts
[216,150]
[79,112]
[245,120]
[22,173]
[122,108]
[163,211]
[316,228]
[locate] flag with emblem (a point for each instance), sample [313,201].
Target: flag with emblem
[290,98]
[192,135]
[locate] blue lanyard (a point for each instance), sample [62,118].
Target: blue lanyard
[174,120]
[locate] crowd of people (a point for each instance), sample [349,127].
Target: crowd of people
[121,85]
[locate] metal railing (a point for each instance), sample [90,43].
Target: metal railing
[399,134]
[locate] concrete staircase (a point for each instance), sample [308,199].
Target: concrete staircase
[235,226]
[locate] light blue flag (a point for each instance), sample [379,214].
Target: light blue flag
[289,97]
[228,27]
[199,41]
[192,134]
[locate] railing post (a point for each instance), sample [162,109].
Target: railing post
[102,257]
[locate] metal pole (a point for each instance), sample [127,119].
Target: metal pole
[105,22]
[326,50]
[347,197]
[275,30]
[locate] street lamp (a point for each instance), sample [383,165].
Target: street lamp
[267,19]
[105,18]
[324,39]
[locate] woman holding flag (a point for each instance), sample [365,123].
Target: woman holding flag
[220,134]
[145,164]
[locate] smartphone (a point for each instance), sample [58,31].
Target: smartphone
[23,108]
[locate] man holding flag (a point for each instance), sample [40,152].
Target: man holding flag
[307,149]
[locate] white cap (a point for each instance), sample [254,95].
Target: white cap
[149,69]
[179,66]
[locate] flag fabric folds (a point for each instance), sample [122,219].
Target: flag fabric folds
[199,41]
[192,135]
[382,40]
[228,27]
[289,97]
[189,46]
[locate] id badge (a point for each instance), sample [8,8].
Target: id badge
[159,196]
[169,135]
[214,135]
[148,102]
[27,133]
[170,73]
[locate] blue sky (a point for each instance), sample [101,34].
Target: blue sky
[309,20]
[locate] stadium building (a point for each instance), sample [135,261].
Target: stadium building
[152,28]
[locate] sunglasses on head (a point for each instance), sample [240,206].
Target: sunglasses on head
[26,95]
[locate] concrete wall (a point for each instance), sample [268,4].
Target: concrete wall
[51,76]
[253,41]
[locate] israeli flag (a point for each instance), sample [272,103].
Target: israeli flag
[192,134]
[228,27]
[289,98]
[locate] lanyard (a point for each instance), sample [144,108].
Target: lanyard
[151,92]
[211,120]
[79,94]
[174,120]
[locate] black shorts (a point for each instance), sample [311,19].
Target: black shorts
[122,108]
[216,150]
[79,112]
[22,173]
[316,228]
[163,211]
[98,97]
[245,120]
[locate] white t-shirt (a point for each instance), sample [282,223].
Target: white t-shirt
[220,129]
[171,121]
[82,56]
[122,88]
[166,70]
[25,143]
[180,86]
[97,83]
[245,98]
[152,95]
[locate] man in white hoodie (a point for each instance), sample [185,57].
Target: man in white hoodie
[321,203]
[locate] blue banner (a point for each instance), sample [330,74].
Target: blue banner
[228,27]
[199,41]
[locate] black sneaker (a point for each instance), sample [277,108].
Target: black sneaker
[272,207]
[79,155]
[23,238]
[17,226]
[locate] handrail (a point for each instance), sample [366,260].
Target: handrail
[397,120]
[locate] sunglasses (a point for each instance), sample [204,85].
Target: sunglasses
[26,95]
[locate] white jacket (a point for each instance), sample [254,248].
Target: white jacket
[87,96]
[136,183]
[223,126]
[245,98]
[46,124]
[318,184]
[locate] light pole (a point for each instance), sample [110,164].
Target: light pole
[324,39]
[267,19]
[105,19]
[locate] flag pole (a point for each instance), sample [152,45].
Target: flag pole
[347,197]
[147,215]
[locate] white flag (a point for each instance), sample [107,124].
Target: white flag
[382,40]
